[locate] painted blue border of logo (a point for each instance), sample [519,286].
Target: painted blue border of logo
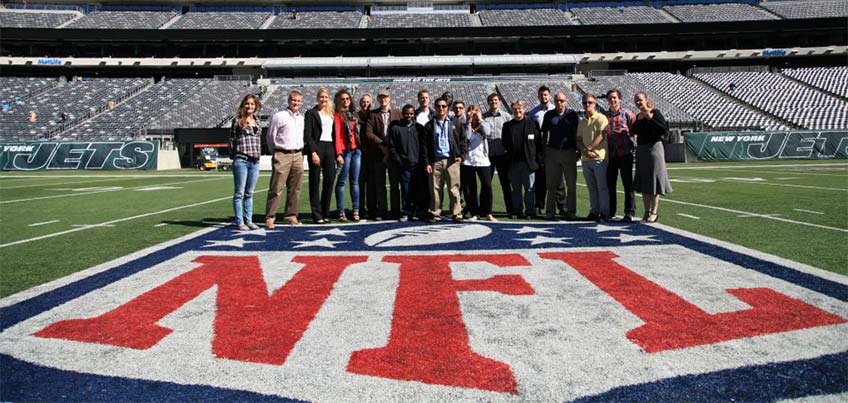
[786,380]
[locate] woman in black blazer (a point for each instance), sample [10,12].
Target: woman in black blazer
[319,147]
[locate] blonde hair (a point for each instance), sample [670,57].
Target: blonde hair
[329,109]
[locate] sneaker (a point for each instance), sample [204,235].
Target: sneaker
[627,218]
[403,218]
[242,227]
[252,226]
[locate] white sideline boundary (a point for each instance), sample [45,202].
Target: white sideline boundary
[61,183]
[104,191]
[98,225]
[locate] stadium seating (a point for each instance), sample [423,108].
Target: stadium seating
[712,108]
[528,17]
[718,12]
[629,86]
[123,20]
[128,118]
[12,88]
[782,97]
[210,106]
[620,15]
[76,99]
[320,20]
[808,8]
[29,19]
[832,79]
[416,20]
[221,20]
[526,91]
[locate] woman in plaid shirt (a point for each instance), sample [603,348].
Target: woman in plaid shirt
[245,149]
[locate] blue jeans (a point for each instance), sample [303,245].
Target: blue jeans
[350,169]
[245,174]
[521,177]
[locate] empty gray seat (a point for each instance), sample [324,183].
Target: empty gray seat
[313,20]
[619,15]
[123,20]
[221,20]
[451,20]
[808,8]
[525,17]
[29,19]
[718,12]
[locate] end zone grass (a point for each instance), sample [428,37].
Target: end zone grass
[56,223]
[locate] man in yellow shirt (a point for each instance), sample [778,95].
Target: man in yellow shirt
[592,142]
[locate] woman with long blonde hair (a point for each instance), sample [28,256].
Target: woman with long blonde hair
[245,149]
[320,149]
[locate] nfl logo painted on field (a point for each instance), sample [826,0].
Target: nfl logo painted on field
[468,312]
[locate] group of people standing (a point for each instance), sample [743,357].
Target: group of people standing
[423,150]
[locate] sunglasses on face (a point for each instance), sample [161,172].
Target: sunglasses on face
[441,106]
[588,102]
[560,100]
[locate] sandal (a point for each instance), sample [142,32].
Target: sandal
[355,216]
[342,217]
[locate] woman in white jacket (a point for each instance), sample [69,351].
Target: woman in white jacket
[475,164]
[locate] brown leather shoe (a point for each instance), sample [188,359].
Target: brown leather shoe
[269,223]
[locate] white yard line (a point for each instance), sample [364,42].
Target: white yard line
[55,234]
[106,190]
[60,184]
[747,213]
[784,185]
[808,211]
[42,223]
[750,214]
[832,164]
[689,216]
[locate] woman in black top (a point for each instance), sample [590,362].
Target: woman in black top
[319,146]
[651,175]
[245,149]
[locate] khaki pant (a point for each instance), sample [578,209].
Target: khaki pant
[446,170]
[288,170]
[559,164]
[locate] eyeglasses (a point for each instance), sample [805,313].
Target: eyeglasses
[345,99]
[441,106]
[588,102]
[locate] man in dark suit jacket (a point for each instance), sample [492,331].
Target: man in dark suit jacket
[374,164]
[445,144]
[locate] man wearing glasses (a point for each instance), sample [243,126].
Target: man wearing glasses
[444,145]
[592,142]
[559,127]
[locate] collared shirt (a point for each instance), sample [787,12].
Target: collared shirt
[385,116]
[538,112]
[246,140]
[496,121]
[423,117]
[285,131]
[589,129]
[619,136]
[442,133]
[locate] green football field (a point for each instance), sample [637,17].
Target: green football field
[53,224]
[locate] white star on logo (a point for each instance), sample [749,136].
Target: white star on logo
[237,243]
[540,239]
[334,231]
[627,238]
[605,228]
[529,230]
[323,242]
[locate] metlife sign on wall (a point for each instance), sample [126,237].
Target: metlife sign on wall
[100,155]
[744,146]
